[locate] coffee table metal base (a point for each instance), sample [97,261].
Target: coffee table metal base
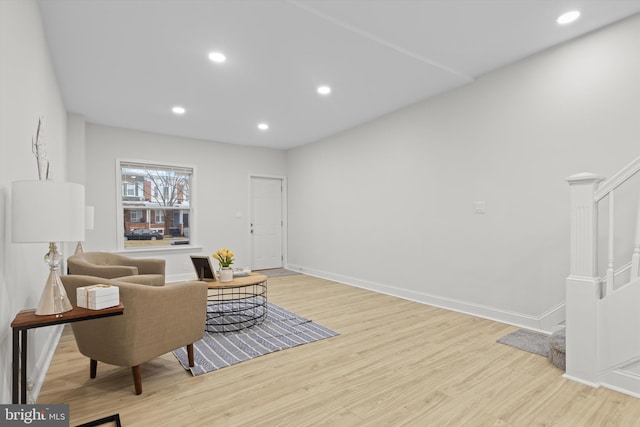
[235,308]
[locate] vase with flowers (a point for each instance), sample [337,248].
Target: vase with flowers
[225,259]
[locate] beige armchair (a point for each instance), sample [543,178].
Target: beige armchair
[156,320]
[113,266]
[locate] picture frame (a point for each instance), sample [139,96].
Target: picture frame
[204,268]
[112,420]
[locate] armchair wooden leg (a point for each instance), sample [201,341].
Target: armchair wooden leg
[137,378]
[93,368]
[190,354]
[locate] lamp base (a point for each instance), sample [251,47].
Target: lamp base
[54,298]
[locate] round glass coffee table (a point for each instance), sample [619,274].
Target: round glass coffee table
[236,305]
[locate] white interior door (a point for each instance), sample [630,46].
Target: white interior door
[266,223]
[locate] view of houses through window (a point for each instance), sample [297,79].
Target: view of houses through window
[156,204]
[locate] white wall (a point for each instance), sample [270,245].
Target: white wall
[28,90]
[389,205]
[221,189]
[76,148]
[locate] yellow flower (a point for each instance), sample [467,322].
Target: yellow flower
[224,257]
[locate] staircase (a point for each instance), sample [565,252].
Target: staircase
[603,294]
[558,348]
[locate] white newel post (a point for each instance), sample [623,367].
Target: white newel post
[583,284]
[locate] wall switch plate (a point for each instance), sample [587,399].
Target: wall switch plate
[479,207]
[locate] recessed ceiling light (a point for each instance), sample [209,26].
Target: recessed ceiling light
[217,57]
[178,110]
[324,90]
[569,17]
[263,126]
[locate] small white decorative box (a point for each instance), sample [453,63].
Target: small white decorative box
[97,297]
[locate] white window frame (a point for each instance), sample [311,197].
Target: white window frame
[192,206]
[138,215]
[158,216]
[136,189]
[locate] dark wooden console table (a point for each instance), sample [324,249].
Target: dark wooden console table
[27,319]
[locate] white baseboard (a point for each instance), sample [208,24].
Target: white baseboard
[182,277]
[581,381]
[550,319]
[542,323]
[622,381]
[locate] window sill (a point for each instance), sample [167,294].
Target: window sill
[161,249]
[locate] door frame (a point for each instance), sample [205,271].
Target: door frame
[284,229]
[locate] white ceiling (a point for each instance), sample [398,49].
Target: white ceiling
[125,63]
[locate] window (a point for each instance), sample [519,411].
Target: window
[132,189]
[159,218]
[136,215]
[155,204]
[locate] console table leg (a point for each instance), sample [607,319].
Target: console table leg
[23,365]
[15,369]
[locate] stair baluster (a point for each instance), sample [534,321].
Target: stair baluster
[609,287]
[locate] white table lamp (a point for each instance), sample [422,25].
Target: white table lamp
[48,211]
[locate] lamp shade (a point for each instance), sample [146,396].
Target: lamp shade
[47,211]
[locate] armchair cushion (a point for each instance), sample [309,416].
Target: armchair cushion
[144,279]
[111,266]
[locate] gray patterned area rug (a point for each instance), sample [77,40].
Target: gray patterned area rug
[531,341]
[281,329]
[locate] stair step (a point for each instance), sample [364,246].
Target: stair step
[558,349]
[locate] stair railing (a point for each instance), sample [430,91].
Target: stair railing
[608,188]
[583,285]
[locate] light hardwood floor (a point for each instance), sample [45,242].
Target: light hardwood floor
[395,363]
